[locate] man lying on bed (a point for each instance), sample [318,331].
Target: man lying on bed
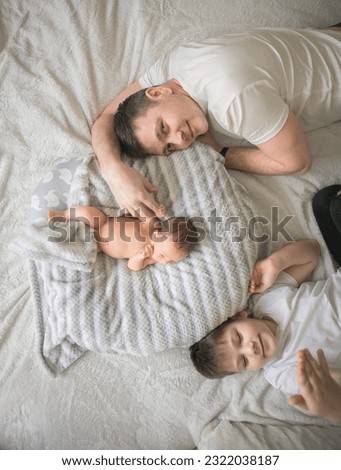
[288,315]
[267,86]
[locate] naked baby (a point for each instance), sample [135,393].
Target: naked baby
[142,243]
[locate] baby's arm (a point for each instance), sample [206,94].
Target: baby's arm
[142,259]
[298,259]
[320,393]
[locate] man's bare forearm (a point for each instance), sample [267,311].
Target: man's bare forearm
[253,160]
[103,137]
[286,153]
[104,141]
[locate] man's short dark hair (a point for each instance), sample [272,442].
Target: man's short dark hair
[204,353]
[133,107]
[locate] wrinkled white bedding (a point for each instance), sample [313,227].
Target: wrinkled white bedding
[89,302]
[60,64]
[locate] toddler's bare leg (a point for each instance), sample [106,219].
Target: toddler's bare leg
[86,214]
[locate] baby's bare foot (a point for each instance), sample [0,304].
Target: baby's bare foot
[55,215]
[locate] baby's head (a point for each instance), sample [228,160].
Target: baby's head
[240,344]
[174,240]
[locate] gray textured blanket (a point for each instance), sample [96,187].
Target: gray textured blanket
[92,302]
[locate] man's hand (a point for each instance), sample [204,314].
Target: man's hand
[130,188]
[132,191]
[320,393]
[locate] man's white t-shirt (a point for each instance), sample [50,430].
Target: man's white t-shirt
[246,83]
[308,316]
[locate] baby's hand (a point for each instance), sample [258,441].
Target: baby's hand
[146,252]
[141,259]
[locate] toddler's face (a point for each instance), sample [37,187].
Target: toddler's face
[247,344]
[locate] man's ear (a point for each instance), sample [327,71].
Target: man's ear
[241,314]
[157,93]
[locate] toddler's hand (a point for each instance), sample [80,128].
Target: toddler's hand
[263,276]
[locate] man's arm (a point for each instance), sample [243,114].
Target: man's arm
[130,188]
[104,140]
[285,153]
[298,259]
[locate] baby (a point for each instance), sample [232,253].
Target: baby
[289,316]
[142,243]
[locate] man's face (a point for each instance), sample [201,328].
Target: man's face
[173,124]
[247,344]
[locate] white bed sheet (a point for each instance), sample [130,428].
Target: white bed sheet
[60,64]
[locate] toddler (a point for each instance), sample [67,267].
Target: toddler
[290,315]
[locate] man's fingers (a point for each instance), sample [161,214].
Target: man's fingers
[150,187]
[313,368]
[149,207]
[322,361]
[133,193]
[128,212]
[124,212]
[145,212]
[308,357]
[297,400]
[303,374]
[300,355]
[309,372]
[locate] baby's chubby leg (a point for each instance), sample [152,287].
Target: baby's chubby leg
[86,214]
